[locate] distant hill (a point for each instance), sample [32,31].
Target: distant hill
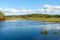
[41,17]
[35,16]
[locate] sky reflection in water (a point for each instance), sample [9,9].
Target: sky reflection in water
[26,29]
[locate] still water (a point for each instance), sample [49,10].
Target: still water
[28,30]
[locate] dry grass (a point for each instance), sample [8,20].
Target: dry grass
[38,19]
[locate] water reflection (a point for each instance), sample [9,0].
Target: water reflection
[52,26]
[1,23]
[26,30]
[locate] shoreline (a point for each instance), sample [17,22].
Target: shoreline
[37,19]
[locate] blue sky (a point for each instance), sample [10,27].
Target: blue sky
[25,4]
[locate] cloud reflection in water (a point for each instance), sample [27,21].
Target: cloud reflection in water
[52,26]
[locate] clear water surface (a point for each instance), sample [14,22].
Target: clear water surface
[28,30]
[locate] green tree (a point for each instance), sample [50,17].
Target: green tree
[2,17]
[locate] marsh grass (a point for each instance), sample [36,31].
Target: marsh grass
[55,32]
[44,32]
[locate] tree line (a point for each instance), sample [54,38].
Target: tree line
[40,15]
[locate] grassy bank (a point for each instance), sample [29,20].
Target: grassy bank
[46,19]
[38,17]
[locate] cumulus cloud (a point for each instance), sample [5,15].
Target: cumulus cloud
[15,10]
[9,10]
[45,8]
[51,8]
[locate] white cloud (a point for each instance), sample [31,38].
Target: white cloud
[9,10]
[45,8]
[29,10]
[14,10]
[51,8]
[39,10]
[23,10]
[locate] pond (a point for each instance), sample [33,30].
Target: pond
[28,30]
